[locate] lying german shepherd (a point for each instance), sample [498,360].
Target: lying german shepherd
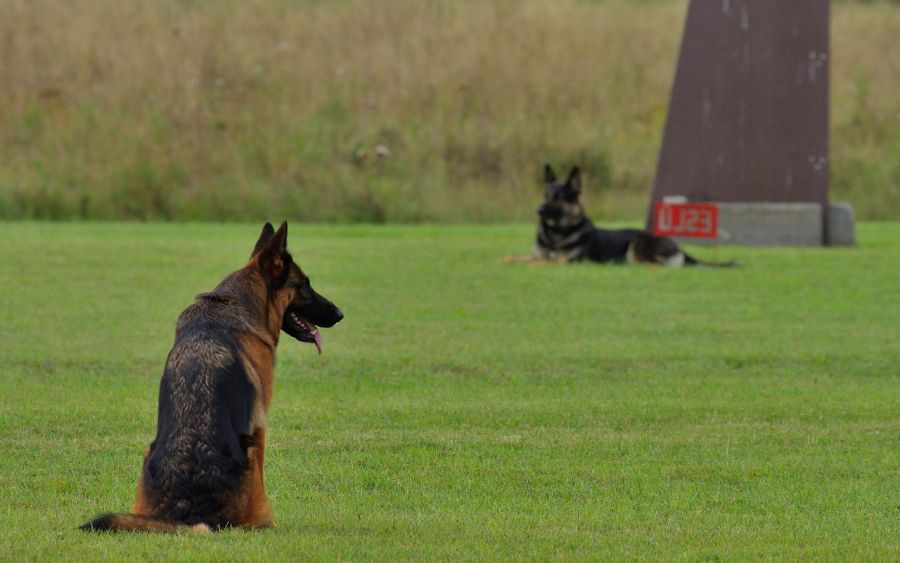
[205,467]
[565,234]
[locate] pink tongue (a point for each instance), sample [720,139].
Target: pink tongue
[318,337]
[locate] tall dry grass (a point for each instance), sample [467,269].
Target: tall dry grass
[389,110]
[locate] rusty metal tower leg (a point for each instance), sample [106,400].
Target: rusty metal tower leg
[748,117]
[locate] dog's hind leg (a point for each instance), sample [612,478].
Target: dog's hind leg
[676,260]
[637,253]
[141,506]
[660,251]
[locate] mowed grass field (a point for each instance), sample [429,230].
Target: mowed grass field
[468,409]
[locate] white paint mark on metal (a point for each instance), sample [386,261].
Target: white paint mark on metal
[745,17]
[707,109]
[820,163]
[816,61]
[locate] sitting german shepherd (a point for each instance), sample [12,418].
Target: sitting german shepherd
[205,468]
[565,234]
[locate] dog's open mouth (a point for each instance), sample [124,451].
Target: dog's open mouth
[302,329]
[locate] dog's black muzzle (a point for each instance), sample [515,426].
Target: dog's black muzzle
[549,212]
[321,312]
[303,321]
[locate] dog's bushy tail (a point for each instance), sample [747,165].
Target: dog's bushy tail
[122,522]
[691,261]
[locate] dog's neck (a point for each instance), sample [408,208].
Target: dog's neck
[247,312]
[559,236]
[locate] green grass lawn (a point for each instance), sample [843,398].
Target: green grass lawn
[468,409]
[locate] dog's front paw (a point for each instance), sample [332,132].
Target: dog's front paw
[517,259]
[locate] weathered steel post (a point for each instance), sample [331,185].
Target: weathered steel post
[748,119]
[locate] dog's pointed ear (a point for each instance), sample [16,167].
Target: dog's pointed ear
[574,180]
[273,254]
[549,174]
[264,236]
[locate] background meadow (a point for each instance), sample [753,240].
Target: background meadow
[387,111]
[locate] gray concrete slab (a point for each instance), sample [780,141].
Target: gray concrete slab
[768,224]
[841,225]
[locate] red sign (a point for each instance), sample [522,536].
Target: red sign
[696,220]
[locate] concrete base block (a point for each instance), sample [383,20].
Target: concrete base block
[841,225]
[768,224]
[782,224]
